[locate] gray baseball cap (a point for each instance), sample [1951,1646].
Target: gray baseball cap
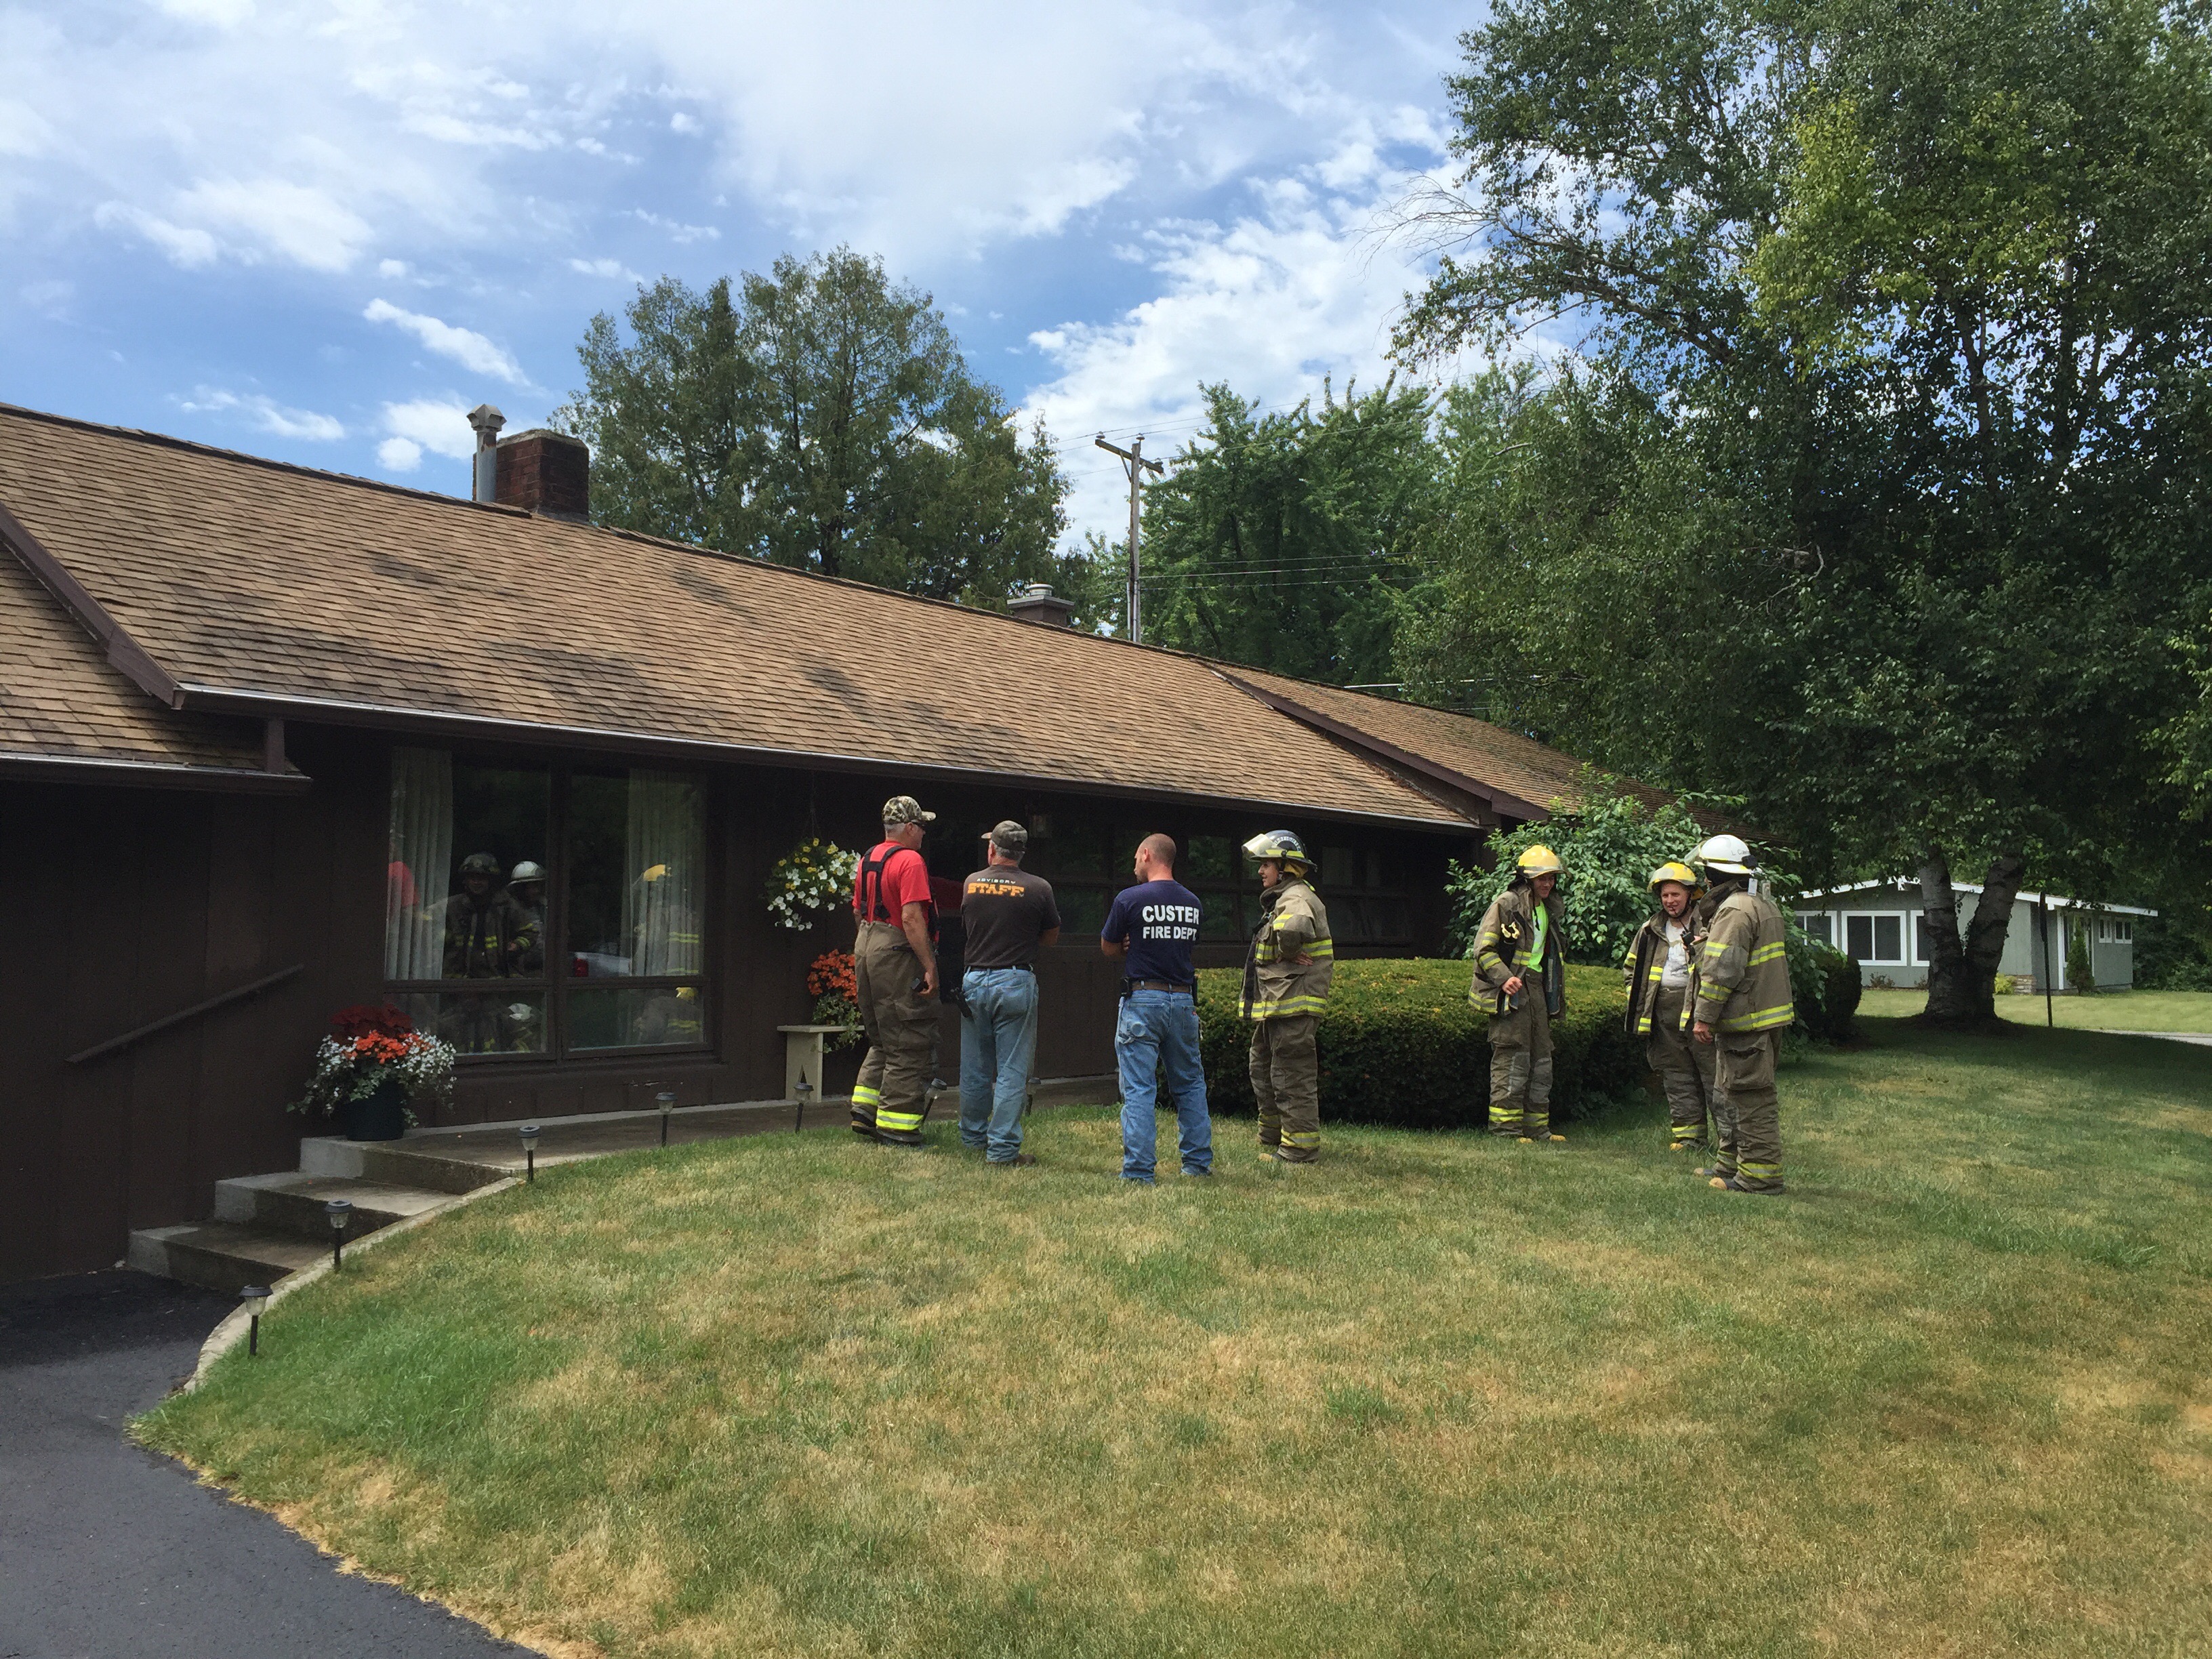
[1008,838]
[905,809]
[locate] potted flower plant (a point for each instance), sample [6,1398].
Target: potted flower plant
[836,994]
[371,1066]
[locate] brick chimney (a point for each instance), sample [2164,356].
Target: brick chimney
[547,472]
[1039,603]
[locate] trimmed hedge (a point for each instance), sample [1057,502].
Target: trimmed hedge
[1400,1044]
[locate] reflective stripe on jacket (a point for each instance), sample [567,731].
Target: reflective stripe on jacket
[1644,968]
[1293,923]
[1743,972]
[1505,942]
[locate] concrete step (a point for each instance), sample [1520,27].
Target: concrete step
[293,1203]
[220,1255]
[394,1164]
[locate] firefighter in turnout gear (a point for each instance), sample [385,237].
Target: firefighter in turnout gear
[895,974]
[1520,977]
[1742,1005]
[1286,976]
[1661,968]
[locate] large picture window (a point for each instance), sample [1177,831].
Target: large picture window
[546,911]
[1877,939]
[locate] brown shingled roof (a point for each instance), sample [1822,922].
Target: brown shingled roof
[1517,777]
[226,583]
[64,710]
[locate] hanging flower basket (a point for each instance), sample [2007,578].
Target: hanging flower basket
[814,877]
[371,1066]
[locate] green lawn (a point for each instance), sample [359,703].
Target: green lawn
[1441,1396]
[2107,1011]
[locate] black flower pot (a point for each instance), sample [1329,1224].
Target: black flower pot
[379,1116]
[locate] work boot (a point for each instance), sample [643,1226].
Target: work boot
[1019,1160]
[1712,1170]
[1526,1140]
[1560,1139]
[1734,1184]
[905,1143]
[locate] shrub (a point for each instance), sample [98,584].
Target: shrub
[1609,850]
[1400,1044]
[2080,974]
[1825,983]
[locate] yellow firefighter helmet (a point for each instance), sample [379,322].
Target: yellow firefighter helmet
[1539,861]
[1675,871]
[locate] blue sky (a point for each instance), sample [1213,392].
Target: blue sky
[321,232]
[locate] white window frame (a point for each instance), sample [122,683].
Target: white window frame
[1904,942]
[1828,916]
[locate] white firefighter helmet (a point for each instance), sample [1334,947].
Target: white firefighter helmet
[1724,855]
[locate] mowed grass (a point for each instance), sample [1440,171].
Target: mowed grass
[1441,1396]
[2107,1011]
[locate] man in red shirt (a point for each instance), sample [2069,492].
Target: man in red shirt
[894,973]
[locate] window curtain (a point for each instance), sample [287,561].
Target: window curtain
[419,875]
[667,849]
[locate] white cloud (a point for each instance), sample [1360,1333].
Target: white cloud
[684,122]
[470,349]
[248,221]
[608,268]
[187,247]
[393,269]
[1270,303]
[220,13]
[678,231]
[266,414]
[23,131]
[426,423]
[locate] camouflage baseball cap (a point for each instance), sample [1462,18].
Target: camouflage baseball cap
[905,809]
[1008,838]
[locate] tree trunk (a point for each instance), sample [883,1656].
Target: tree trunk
[1962,977]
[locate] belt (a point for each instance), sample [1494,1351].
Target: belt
[1009,968]
[1160,985]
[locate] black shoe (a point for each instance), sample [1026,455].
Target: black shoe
[1734,1184]
[1202,1174]
[1019,1160]
[914,1143]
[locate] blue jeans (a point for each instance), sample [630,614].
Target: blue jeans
[998,1041]
[1155,1043]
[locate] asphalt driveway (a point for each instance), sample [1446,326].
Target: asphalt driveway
[108,1552]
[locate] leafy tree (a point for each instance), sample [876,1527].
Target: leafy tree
[1285,541]
[1875,502]
[1609,849]
[821,417]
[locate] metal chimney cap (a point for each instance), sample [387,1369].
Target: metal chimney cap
[487,420]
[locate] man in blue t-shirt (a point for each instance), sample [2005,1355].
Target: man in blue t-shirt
[1154,926]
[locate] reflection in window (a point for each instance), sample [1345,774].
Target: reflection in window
[525,881]
[1210,858]
[638,842]
[501,1022]
[1218,916]
[1815,926]
[633,1019]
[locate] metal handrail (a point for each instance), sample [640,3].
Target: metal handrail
[150,1028]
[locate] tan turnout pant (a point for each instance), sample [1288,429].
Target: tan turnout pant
[1286,1083]
[890,1095]
[1685,1068]
[1521,1067]
[1750,1121]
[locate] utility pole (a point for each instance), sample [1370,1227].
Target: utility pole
[1134,463]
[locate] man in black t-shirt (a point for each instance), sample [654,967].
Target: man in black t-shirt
[1010,916]
[1154,926]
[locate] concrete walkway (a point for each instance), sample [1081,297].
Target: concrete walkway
[109,1551]
[2201,1037]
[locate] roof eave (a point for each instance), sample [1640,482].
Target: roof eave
[1502,801]
[27,766]
[232,700]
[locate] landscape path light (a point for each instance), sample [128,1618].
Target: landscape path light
[667,1099]
[801,1089]
[529,1152]
[256,1297]
[338,1211]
